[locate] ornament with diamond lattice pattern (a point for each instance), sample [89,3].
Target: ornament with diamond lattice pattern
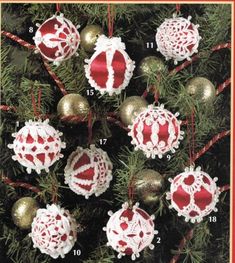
[156,131]
[88,171]
[193,194]
[130,230]
[37,146]
[110,69]
[54,231]
[57,39]
[177,38]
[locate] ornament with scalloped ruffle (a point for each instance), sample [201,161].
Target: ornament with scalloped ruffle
[193,194]
[156,131]
[37,146]
[110,69]
[54,231]
[177,38]
[57,39]
[88,171]
[130,230]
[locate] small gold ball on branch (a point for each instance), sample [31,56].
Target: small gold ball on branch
[23,212]
[130,108]
[201,89]
[73,105]
[148,186]
[89,36]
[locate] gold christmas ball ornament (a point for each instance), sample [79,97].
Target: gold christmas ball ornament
[130,108]
[23,212]
[73,104]
[201,89]
[148,186]
[89,36]
[149,66]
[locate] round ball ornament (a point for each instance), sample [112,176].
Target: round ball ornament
[201,89]
[89,36]
[37,146]
[57,39]
[23,212]
[130,230]
[193,194]
[156,131]
[54,231]
[110,69]
[177,38]
[130,108]
[148,186]
[149,66]
[88,171]
[73,105]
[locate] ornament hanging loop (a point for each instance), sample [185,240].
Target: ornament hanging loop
[57,13]
[177,13]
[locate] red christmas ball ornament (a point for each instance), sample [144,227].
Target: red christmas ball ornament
[156,131]
[130,230]
[177,38]
[110,69]
[57,39]
[88,171]
[193,194]
[54,231]
[37,146]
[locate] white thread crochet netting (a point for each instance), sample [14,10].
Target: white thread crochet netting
[57,39]
[110,69]
[130,230]
[156,131]
[88,171]
[54,231]
[193,194]
[177,38]
[37,146]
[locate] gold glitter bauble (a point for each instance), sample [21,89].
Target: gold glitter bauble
[201,89]
[89,36]
[148,186]
[23,212]
[73,105]
[150,66]
[131,107]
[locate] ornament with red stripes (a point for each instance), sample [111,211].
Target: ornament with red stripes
[88,171]
[37,146]
[177,38]
[54,231]
[156,131]
[193,194]
[110,69]
[57,39]
[130,230]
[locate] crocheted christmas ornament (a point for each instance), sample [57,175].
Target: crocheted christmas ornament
[88,171]
[54,231]
[156,131]
[177,38]
[130,230]
[57,39]
[110,69]
[193,194]
[37,146]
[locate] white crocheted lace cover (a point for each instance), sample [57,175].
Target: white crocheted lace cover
[110,46]
[130,230]
[177,38]
[37,146]
[88,171]
[57,39]
[156,131]
[193,194]
[54,231]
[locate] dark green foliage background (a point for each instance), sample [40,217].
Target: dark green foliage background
[136,24]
